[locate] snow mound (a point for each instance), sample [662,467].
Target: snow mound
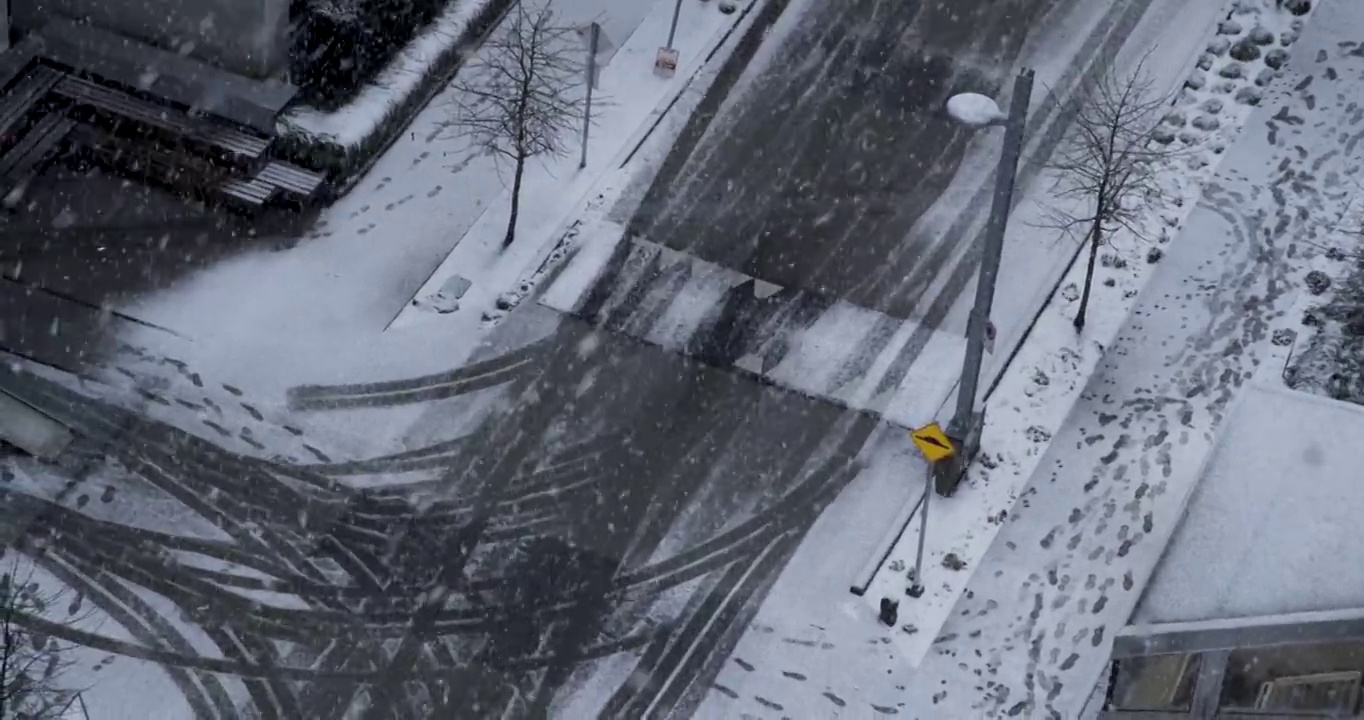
[974,109]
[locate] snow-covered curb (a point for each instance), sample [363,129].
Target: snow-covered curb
[1036,392]
[400,91]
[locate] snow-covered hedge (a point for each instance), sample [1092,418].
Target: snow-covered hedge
[345,142]
[1331,362]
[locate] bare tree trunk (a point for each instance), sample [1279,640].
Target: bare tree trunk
[515,201]
[1094,237]
[4,666]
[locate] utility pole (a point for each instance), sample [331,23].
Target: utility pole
[965,427]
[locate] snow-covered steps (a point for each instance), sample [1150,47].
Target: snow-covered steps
[815,345]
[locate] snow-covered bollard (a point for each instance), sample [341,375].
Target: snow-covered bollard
[975,110]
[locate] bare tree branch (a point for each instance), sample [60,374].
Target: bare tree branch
[524,98]
[32,664]
[1107,169]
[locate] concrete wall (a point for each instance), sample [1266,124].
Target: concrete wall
[249,37]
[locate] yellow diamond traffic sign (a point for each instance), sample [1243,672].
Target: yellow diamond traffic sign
[932,442]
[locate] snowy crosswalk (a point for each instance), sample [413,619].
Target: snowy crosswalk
[815,345]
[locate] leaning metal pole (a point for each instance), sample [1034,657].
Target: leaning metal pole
[965,426]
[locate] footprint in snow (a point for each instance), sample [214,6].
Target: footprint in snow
[221,430]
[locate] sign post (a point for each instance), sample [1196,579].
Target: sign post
[916,587]
[599,51]
[594,36]
[665,62]
[934,445]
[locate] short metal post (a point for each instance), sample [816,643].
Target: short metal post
[672,31]
[964,428]
[4,25]
[916,589]
[595,33]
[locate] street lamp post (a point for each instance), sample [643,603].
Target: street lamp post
[965,427]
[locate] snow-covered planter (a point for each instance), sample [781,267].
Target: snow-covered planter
[344,143]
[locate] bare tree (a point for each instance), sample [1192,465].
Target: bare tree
[525,97]
[32,663]
[1108,166]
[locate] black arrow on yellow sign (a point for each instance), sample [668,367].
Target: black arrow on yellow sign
[933,442]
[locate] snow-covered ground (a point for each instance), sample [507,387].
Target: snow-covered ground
[317,312]
[262,323]
[1201,325]
[1025,620]
[1046,377]
[633,96]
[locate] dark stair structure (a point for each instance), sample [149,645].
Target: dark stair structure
[147,114]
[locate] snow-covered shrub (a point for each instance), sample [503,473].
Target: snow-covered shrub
[1298,7]
[1317,282]
[1207,123]
[1245,51]
[1249,96]
[342,162]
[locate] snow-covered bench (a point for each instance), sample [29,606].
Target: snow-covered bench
[239,148]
